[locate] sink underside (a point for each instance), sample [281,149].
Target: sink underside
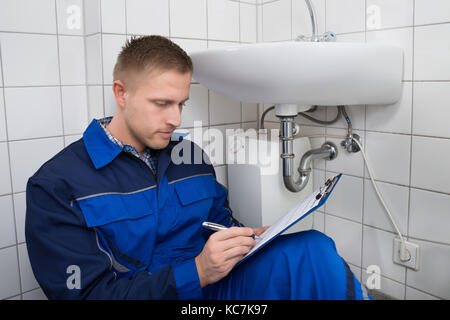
[307,73]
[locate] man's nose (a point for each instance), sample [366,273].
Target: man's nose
[174,116]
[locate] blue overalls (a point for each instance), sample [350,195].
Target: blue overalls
[133,235]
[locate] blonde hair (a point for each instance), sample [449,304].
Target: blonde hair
[150,53]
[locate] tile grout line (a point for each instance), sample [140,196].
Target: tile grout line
[10,175]
[411,138]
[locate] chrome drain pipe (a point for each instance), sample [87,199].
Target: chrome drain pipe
[327,151]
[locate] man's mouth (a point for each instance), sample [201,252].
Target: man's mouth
[166,133]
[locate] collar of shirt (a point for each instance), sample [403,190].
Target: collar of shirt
[148,156]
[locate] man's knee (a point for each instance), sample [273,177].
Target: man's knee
[305,240]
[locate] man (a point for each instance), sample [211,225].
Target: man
[112,217]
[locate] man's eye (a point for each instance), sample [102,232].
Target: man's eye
[161,104]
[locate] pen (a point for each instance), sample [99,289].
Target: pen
[217,227]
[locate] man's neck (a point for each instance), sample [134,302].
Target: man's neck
[119,130]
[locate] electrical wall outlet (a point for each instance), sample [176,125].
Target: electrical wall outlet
[413,262]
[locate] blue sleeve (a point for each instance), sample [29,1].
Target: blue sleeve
[62,250]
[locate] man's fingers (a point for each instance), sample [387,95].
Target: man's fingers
[231,233]
[259,231]
[235,242]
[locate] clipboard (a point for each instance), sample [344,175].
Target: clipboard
[314,201]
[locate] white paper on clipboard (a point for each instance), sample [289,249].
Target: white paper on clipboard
[301,210]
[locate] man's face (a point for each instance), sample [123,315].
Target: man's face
[153,109]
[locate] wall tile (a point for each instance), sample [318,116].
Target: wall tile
[347,199]
[431,105]
[413,294]
[94,64]
[112,45]
[72,60]
[110,101]
[196,108]
[113,16]
[402,38]
[392,288]
[7,230]
[389,14]
[9,273]
[42,106]
[188,19]
[2,117]
[28,16]
[394,117]
[396,198]
[247,20]
[431,11]
[249,111]
[348,237]
[223,20]
[75,109]
[432,277]
[319,221]
[95,102]
[26,274]
[221,175]
[70,139]
[428,171]
[70,16]
[223,109]
[345,16]
[92,16]
[429,216]
[190,45]
[276,21]
[377,250]
[40,69]
[430,46]
[5,182]
[23,166]
[389,156]
[20,207]
[148,17]
[37,294]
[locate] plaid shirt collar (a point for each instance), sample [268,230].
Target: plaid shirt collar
[149,156]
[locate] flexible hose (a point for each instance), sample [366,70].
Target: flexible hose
[322,122]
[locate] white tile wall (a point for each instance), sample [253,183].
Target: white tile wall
[72,60]
[195,12]
[429,45]
[28,16]
[47,98]
[42,105]
[147,17]
[431,11]
[70,18]
[19,69]
[407,142]
[5,182]
[431,105]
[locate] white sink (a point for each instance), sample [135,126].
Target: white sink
[307,73]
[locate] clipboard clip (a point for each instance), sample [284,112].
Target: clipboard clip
[327,188]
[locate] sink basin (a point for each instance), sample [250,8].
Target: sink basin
[306,73]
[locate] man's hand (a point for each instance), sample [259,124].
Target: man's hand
[222,251]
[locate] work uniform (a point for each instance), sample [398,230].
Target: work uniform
[101,224]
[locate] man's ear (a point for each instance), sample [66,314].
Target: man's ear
[120,92]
